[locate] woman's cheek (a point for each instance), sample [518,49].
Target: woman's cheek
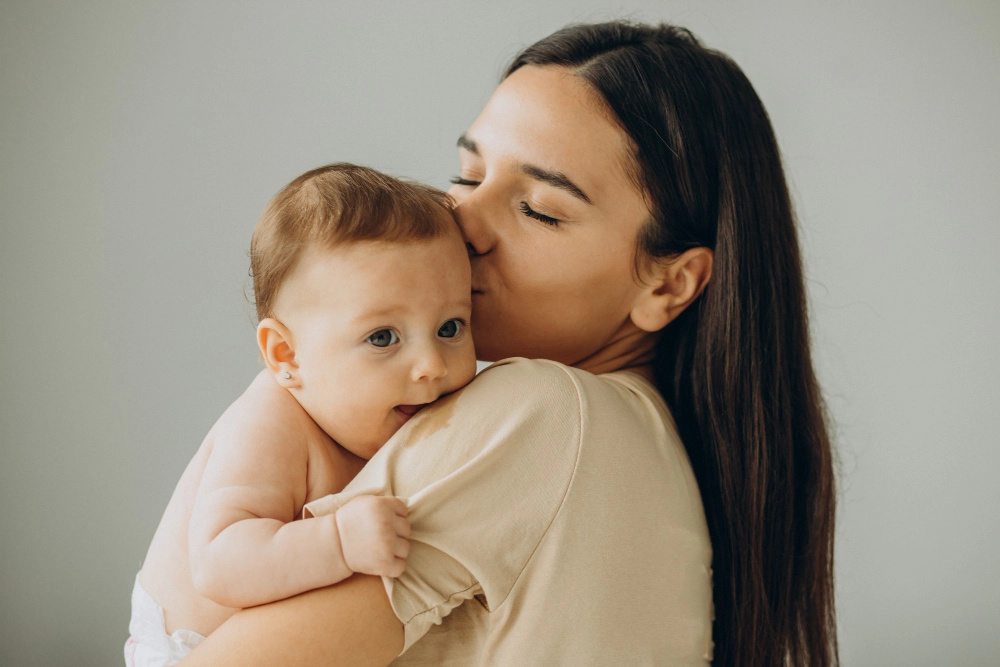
[543,276]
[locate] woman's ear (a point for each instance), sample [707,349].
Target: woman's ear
[278,350]
[671,285]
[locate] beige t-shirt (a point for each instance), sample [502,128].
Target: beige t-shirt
[556,521]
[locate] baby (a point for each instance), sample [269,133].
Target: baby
[362,288]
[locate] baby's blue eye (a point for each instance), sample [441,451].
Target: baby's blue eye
[383,338]
[450,329]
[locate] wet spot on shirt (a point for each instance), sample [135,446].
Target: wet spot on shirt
[433,418]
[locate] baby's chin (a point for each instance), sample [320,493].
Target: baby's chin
[397,416]
[368,444]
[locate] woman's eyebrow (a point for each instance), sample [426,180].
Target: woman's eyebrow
[468,144]
[555,179]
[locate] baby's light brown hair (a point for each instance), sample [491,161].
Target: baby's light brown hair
[337,204]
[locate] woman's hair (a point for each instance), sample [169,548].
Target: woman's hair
[735,366]
[338,204]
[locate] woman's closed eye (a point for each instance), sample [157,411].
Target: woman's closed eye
[523,206]
[532,213]
[383,338]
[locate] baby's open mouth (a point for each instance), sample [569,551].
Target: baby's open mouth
[409,410]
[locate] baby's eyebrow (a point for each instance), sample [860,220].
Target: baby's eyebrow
[377,313]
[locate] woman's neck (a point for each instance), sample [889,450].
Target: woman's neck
[630,348]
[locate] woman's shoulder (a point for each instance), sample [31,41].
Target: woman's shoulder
[542,401]
[530,378]
[534,397]
[524,382]
[525,373]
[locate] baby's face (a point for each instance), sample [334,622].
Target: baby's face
[379,330]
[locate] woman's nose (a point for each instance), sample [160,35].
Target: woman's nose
[429,365]
[470,213]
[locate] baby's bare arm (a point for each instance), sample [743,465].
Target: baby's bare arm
[245,548]
[244,544]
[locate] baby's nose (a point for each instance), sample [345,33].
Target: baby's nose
[429,365]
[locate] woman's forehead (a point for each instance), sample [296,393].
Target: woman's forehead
[550,118]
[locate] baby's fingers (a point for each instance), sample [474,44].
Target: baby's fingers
[397,568]
[402,526]
[401,548]
[396,505]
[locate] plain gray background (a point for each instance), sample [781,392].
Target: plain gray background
[141,140]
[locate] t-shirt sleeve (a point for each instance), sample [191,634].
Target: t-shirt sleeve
[484,472]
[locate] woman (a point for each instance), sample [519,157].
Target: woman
[627,215]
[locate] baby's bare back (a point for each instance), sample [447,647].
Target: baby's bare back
[266,418]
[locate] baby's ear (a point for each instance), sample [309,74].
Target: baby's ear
[278,350]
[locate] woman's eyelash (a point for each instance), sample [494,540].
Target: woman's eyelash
[524,208]
[531,213]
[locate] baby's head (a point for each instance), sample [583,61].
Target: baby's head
[363,292]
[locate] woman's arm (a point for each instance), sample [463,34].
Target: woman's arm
[350,623]
[509,440]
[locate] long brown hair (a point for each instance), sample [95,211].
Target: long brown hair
[735,367]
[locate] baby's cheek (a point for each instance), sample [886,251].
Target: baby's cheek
[376,436]
[465,367]
[362,437]
[371,422]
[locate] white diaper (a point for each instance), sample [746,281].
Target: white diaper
[150,645]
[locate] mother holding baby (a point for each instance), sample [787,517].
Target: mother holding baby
[653,483]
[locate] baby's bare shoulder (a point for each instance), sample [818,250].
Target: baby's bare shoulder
[261,452]
[265,416]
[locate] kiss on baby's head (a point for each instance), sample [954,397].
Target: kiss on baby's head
[362,288]
[363,291]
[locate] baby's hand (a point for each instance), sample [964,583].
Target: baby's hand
[374,535]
